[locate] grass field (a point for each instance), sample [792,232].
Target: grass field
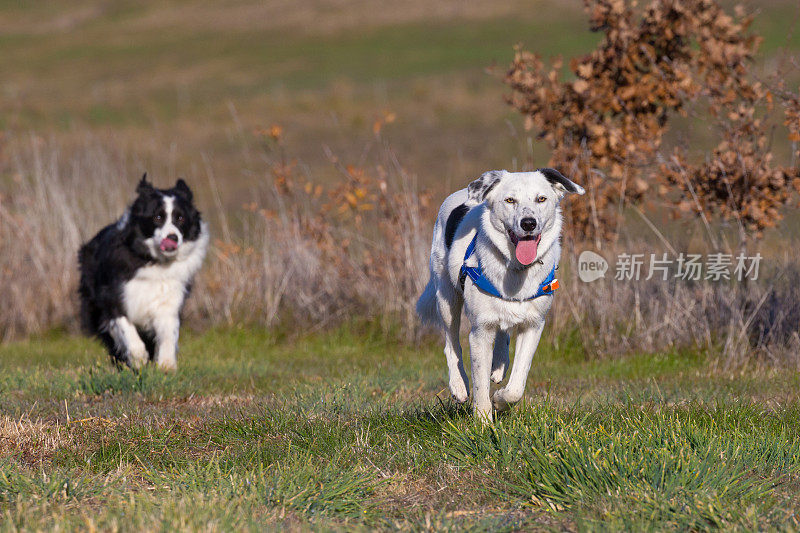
[348,430]
[350,427]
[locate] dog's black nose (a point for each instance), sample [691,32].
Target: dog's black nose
[528,224]
[172,237]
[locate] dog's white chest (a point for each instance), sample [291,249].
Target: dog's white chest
[154,292]
[482,308]
[512,314]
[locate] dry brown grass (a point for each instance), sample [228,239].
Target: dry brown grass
[744,320]
[283,256]
[305,254]
[47,211]
[33,441]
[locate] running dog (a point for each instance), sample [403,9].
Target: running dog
[496,247]
[137,272]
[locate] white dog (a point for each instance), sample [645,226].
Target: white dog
[496,246]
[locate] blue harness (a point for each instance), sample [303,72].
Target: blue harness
[548,286]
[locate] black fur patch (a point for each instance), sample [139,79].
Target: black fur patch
[455,218]
[554,176]
[488,189]
[479,188]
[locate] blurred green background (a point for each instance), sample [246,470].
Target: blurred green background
[168,82]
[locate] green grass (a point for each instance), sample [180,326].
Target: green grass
[351,430]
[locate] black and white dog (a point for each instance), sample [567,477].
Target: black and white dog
[137,272]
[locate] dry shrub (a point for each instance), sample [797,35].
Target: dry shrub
[739,180]
[606,126]
[322,254]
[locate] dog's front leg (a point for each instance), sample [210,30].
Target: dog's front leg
[127,342]
[527,341]
[167,329]
[480,353]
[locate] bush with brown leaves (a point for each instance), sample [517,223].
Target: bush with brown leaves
[606,126]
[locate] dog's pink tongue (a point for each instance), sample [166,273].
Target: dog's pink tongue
[526,250]
[168,245]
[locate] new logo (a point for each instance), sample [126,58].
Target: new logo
[591,266]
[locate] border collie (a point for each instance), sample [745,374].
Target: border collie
[137,272]
[496,246]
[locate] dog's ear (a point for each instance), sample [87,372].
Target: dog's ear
[561,184]
[481,187]
[183,189]
[144,185]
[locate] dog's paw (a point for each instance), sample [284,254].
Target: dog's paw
[137,357]
[459,390]
[501,401]
[168,365]
[483,415]
[498,374]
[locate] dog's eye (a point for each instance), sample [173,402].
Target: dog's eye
[510,200]
[159,218]
[179,218]
[541,199]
